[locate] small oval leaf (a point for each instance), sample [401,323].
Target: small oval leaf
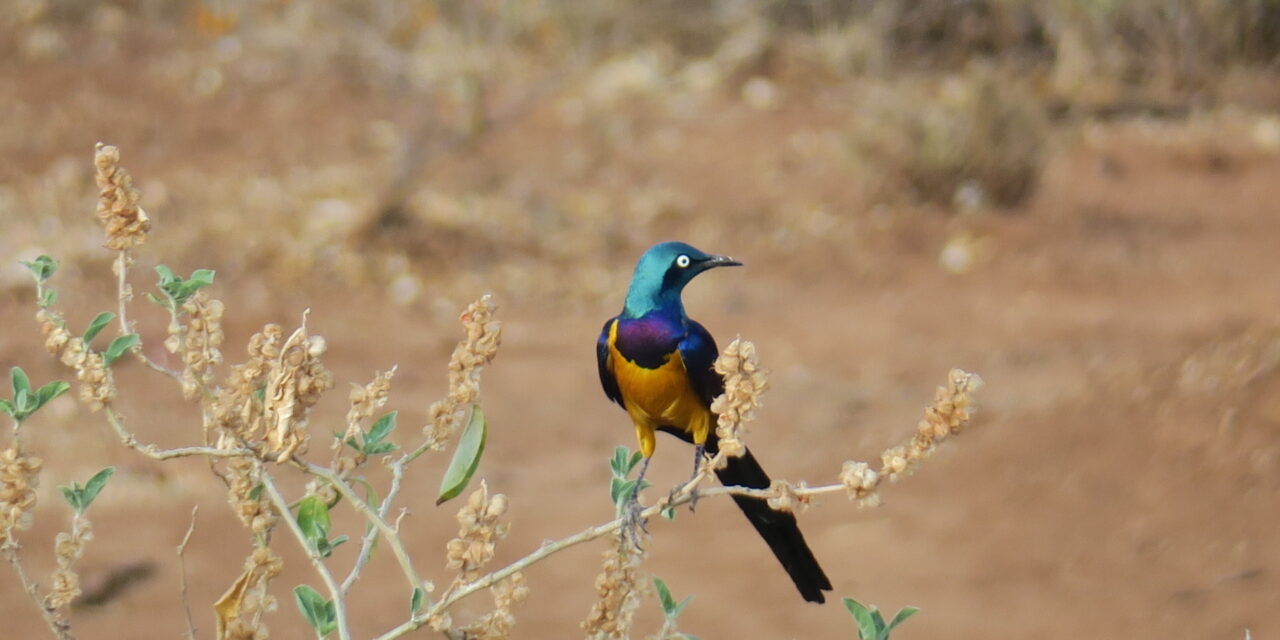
[465,458]
[118,347]
[19,380]
[99,323]
[94,486]
[313,519]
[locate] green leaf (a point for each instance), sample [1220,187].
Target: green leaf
[6,407]
[687,636]
[42,267]
[664,597]
[615,489]
[256,492]
[25,402]
[381,429]
[683,603]
[178,290]
[866,624]
[318,612]
[99,323]
[903,614]
[94,486]
[415,601]
[669,512]
[201,278]
[73,495]
[166,275]
[313,519]
[50,296]
[19,380]
[118,347]
[378,448]
[50,391]
[879,622]
[465,458]
[619,462]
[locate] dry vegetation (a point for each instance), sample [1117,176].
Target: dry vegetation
[1071,197]
[256,425]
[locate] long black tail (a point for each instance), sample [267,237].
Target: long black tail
[778,528]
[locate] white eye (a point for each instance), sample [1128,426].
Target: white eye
[682,261]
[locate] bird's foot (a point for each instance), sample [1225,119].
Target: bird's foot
[633,522]
[675,494]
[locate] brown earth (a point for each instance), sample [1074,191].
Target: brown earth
[1120,480]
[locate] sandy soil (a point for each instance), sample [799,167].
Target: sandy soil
[1120,480]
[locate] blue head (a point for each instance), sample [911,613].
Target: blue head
[662,273]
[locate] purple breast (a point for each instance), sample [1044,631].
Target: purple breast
[650,340]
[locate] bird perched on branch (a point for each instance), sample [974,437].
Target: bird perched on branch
[656,363]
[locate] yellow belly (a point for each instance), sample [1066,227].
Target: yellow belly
[658,397]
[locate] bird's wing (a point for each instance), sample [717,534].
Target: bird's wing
[698,350]
[607,380]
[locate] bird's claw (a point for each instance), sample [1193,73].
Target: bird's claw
[633,523]
[675,494]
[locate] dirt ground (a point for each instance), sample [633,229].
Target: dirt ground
[1121,475]
[1121,478]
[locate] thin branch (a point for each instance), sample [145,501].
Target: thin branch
[335,592]
[182,574]
[123,295]
[366,544]
[389,533]
[151,451]
[60,628]
[682,496]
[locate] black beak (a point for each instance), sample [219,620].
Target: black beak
[720,261]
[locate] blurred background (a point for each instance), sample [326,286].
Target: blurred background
[1073,198]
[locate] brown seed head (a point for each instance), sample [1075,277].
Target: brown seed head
[478,532]
[744,383]
[484,334]
[125,223]
[19,477]
[618,593]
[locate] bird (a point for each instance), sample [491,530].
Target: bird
[657,364]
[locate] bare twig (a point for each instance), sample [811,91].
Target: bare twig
[60,628]
[335,592]
[366,544]
[151,451]
[182,574]
[389,533]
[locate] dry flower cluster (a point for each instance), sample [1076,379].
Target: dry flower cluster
[295,382]
[478,533]
[68,548]
[744,383]
[199,340]
[97,389]
[364,402]
[618,591]
[125,223]
[484,334]
[948,415]
[19,478]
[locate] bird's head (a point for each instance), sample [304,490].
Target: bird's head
[662,273]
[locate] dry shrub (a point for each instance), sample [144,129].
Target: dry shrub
[975,129]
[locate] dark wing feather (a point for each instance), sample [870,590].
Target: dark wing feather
[607,380]
[698,350]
